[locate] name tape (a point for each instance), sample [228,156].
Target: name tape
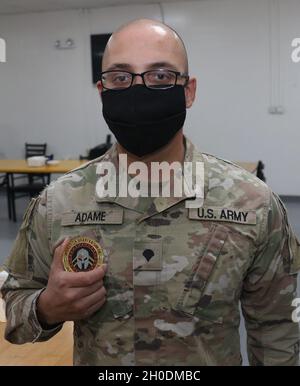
[223,214]
[109,216]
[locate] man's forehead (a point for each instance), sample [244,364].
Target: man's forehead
[147,43]
[153,54]
[132,40]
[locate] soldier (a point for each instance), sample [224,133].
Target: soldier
[168,292]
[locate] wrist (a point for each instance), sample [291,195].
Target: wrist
[43,311]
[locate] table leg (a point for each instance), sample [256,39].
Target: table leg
[8,194]
[12,197]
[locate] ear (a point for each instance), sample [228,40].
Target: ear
[190,92]
[99,87]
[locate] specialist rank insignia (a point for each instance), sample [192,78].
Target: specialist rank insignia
[82,254]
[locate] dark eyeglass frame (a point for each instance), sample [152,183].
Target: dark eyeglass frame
[142,74]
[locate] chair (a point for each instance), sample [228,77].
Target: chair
[3,181]
[98,150]
[34,184]
[35,149]
[4,186]
[260,171]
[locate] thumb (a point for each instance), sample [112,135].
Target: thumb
[104,268]
[57,262]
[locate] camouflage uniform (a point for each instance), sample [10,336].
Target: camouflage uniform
[181,306]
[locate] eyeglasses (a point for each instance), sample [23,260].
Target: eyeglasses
[153,79]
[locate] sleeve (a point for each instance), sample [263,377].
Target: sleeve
[28,266]
[269,289]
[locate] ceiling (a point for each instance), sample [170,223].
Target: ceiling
[27,6]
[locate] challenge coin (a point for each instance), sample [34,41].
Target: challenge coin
[82,254]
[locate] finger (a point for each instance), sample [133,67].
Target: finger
[89,301]
[58,253]
[85,279]
[95,307]
[82,292]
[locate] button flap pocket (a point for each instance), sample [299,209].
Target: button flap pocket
[119,302]
[294,250]
[17,263]
[291,253]
[192,299]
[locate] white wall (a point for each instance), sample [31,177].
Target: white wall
[238,79]
[47,94]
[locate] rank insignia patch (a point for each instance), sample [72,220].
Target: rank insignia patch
[82,254]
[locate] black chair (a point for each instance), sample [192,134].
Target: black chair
[260,171]
[98,150]
[3,181]
[34,183]
[35,149]
[4,188]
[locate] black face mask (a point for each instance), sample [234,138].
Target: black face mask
[144,120]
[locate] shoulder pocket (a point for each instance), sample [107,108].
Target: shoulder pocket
[294,252]
[192,301]
[291,252]
[17,262]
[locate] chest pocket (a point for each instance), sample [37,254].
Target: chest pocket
[192,300]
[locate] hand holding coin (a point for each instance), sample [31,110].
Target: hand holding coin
[72,295]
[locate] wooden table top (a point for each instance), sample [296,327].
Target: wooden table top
[249,166]
[64,166]
[58,351]
[21,166]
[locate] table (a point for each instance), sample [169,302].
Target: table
[20,166]
[11,167]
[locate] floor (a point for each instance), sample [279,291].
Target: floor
[63,342]
[58,351]
[9,229]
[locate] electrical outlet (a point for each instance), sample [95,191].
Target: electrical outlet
[276,110]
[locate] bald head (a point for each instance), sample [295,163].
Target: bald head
[145,44]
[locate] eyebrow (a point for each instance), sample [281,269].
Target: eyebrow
[128,67]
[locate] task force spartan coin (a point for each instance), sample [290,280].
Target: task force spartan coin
[82,254]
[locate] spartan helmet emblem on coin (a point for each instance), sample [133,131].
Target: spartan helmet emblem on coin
[82,254]
[83,260]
